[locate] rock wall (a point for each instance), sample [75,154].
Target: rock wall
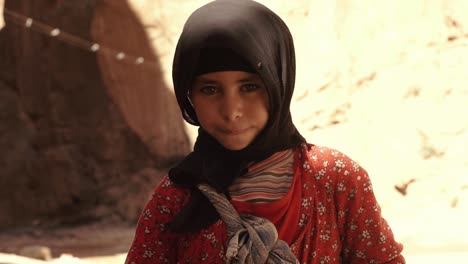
[139,90]
[384,82]
[70,151]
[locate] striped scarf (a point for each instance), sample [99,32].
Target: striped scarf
[266,181]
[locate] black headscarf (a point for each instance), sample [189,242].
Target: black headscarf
[263,40]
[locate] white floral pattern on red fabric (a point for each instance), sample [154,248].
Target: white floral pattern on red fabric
[340,219]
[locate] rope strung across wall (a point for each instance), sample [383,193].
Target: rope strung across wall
[55,32]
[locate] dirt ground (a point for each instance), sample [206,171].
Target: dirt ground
[95,243]
[108,244]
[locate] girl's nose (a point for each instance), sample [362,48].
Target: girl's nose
[231,107]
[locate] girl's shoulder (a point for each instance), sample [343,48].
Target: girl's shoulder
[167,185]
[169,195]
[325,163]
[323,156]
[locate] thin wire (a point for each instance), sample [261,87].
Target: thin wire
[57,33]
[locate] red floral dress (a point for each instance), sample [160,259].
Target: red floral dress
[329,215]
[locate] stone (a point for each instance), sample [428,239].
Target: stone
[36,252]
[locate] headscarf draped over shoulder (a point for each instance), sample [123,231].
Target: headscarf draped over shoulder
[260,37]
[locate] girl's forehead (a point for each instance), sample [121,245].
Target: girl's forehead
[239,76]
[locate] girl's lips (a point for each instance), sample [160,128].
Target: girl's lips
[234,131]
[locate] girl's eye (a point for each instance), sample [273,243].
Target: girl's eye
[250,87]
[208,90]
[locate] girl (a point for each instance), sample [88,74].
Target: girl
[253,190]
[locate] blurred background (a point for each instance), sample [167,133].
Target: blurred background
[89,123]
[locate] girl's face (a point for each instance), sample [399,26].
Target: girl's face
[232,106]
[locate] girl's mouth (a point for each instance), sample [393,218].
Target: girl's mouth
[234,131]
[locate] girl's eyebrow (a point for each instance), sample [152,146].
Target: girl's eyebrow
[249,79]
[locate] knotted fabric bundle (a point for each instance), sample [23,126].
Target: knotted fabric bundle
[251,239]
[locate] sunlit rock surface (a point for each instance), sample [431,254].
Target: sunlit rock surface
[384,82]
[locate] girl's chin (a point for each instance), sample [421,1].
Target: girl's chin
[234,146]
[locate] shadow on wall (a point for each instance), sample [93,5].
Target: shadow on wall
[78,131]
